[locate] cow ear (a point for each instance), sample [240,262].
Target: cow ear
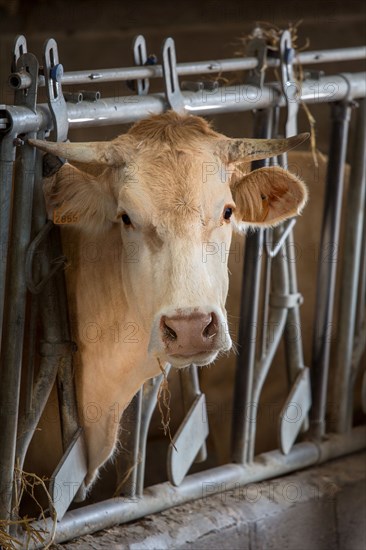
[78,198]
[267,196]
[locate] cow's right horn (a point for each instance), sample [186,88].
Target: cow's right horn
[94,152]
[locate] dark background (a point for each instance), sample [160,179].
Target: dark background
[98,34]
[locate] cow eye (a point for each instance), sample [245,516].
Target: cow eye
[126,219]
[227,212]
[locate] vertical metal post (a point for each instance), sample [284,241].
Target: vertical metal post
[56,348]
[327,265]
[248,324]
[7,157]
[343,386]
[21,61]
[13,327]
[276,321]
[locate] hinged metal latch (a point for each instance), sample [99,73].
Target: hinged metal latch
[172,89]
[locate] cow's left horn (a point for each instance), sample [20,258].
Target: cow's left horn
[94,152]
[241,150]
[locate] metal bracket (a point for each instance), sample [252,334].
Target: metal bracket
[140,58]
[272,252]
[69,475]
[53,72]
[20,48]
[172,89]
[27,65]
[188,441]
[188,444]
[295,410]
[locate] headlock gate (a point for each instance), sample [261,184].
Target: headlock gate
[32,290]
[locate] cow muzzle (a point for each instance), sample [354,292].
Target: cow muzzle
[192,336]
[189,335]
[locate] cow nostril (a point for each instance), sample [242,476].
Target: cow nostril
[169,332]
[210,330]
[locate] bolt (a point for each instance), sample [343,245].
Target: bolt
[57,72]
[18,142]
[151,60]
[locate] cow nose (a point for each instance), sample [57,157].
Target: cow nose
[187,335]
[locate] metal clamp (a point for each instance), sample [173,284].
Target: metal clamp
[59,263]
[172,89]
[53,72]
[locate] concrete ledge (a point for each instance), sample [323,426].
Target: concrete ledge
[320,508]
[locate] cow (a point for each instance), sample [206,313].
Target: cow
[149,203]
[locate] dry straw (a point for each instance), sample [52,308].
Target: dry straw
[22,533]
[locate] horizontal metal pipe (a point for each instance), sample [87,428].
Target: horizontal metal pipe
[207,67]
[20,80]
[160,497]
[226,99]
[21,120]
[329,56]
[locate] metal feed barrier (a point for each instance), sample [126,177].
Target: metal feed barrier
[33,287]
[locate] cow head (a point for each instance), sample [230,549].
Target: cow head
[176,189]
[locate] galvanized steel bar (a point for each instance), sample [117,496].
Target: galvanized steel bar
[27,64]
[13,326]
[276,324]
[327,265]
[160,497]
[247,337]
[243,405]
[355,223]
[55,348]
[207,67]
[17,230]
[128,459]
[225,99]
[7,157]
